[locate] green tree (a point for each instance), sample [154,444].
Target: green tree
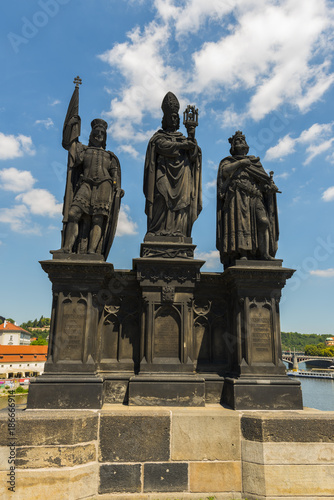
[39,341]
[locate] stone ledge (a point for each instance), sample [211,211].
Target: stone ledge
[288,480]
[287,453]
[51,427]
[68,484]
[310,428]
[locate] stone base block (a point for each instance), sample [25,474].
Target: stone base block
[116,390]
[145,390]
[66,393]
[262,394]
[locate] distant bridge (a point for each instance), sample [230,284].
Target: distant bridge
[300,357]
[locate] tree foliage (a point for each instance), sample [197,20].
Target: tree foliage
[298,341]
[39,341]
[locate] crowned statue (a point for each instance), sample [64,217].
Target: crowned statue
[172,176]
[247,221]
[93,188]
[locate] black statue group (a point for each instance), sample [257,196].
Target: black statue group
[247,222]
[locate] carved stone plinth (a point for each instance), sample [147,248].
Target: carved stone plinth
[258,378]
[167,335]
[70,378]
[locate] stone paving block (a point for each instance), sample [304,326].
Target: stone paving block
[253,479]
[287,453]
[205,436]
[308,428]
[134,438]
[65,484]
[51,427]
[299,480]
[55,456]
[166,477]
[215,476]
[120,478]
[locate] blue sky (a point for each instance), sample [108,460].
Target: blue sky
[262,66]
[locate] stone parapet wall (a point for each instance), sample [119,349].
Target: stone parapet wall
[156,453]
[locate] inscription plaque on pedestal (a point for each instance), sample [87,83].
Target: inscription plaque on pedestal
[167,334]
[261,334]
[74,319]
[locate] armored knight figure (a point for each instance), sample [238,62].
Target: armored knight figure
[93,190]
[172,176]
[247,221]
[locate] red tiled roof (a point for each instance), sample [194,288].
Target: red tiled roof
[23,353]
[23,349]
[11,328]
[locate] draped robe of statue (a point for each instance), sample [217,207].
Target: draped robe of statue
[245,201]
[172,185]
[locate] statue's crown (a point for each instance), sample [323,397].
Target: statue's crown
[99,122]
[170,104]
[237,134]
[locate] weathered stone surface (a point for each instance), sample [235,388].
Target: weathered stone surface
[35,428]
[145,392]
[64,395]
[67,484]
[253,479]
[177,496]
[119,478]
[134,438]
[289,480]
[291,427]
[287,453]
[215,476]
[206,435]
[60,456]
[166,477]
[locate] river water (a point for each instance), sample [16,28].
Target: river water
[317,393]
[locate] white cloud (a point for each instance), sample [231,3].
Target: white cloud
[315,137]
[127,148]
[19,220]
[15,180]
[148,79]
[323,273]
[328,195]
[125,225]
[212,259]
[284,147]
[40,202]
[55,102]
[47,123]
[15,146]
[278,51]
[316,149]
[283,175]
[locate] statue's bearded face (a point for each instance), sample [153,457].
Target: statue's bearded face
[98,137]
[240,146]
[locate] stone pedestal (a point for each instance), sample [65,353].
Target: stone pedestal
[70,378]
[167,282]
[258,377]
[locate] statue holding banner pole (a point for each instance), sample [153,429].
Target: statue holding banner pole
[93,187]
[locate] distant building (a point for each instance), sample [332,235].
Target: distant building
[13,335]
[18,361]
[329,341]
